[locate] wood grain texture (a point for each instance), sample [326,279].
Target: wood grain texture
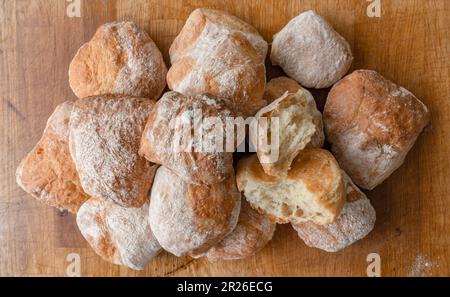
[409,44]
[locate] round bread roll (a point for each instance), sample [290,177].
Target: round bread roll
[48,172]
[299,125]
[120,59]
[253,231]
[371,124]
[188,218]
[355,222]
[310,51]
[312,191]
[178,136]
[210,57]
[210,21]
[105,133]
[119,235]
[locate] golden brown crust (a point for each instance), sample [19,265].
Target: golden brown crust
[320,172]
[276,87]
[162,135]
[253,231]
[105,133]
[48,172]
[188,218]
[372,123]
[119,59]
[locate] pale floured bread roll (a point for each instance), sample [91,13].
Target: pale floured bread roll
[220,61]
[48,172]
[371,124]
[204,21]
[253,231]
[310,51]
[291,121]
[277,87]
[120,59]
[312,191]
[105,133]
[188,218]
[119,235]
[178,136]
[355,222]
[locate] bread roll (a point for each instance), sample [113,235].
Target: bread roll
[120,59]
[310,51]
[277,87]
[105,133]
[212,57]
[299,125]
[178,136]
[203,21]
[312,191]
[355,222]
[48,172]
[371,124]
[119,235]
[188,218]
[253,231]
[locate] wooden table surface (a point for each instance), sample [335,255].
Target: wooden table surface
[409,43]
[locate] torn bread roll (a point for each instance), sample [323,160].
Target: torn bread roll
[313,190]
[119,235]
[105,133]
[188,218]
[371,124]
[253,231]
[48,172]
[119,59]
[218,60]
[181,134]
[277,87]
[204,21]
[310,51]
[355,222]
[291,123]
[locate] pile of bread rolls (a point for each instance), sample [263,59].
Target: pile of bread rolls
[105,157]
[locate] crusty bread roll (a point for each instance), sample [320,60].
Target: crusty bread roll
[356,220]
[120,59]
[213,57]
[48,172]
[371,124]
[253,231]
[118,234]
[105,133]
[299,125]
[192,157]
[312,191]
[204,21]
[310,51]
[188,218]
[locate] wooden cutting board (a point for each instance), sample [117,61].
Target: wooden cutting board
[409,43]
